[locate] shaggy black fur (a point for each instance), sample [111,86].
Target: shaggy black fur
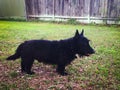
[61,52]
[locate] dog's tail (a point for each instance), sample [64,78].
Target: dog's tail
[17,54]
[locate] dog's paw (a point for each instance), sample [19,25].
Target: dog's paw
[63,73]
[30,73]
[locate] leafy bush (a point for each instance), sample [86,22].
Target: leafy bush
[72,21]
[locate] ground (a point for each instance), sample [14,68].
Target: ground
[97,72]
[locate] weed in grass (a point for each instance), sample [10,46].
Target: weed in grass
[72,70]
[13,74]
[4,87]
[103,71]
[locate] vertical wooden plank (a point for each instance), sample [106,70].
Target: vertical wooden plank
[26,14]
[91,7]
[118,9]
[35,7]
[109,8]
[105,8]
[102,8]
[53,9]
[43,7]
[57,7]
[28,6]
[88,9]
[115,8]
[39,7]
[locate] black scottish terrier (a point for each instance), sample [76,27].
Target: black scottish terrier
[61,52]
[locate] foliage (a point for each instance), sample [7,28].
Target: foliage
[72,21]
[97,72]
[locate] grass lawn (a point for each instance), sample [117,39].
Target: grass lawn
[100,71]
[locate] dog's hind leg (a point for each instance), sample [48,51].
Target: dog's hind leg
[26,65]
[61,70]
[23,66]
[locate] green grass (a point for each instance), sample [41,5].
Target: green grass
[100,71]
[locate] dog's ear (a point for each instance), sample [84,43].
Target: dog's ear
[82,33]
[77,33]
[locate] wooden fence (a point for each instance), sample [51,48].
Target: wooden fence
[82,10]
[89,10]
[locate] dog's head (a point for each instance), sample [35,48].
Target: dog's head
[82,45]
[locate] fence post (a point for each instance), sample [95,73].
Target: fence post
[88,18]
[53,9]
[25,10]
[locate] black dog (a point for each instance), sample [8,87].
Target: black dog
[61,52]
